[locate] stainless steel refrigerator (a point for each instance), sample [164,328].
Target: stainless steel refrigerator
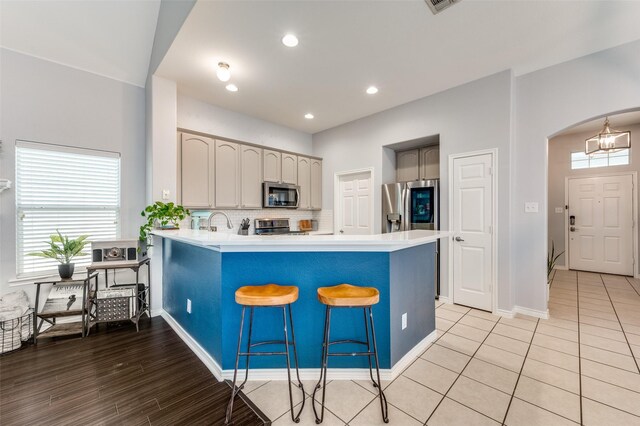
[413,205]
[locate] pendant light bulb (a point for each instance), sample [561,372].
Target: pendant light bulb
[223,72]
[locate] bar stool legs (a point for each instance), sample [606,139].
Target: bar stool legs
[295,417]
[325,358]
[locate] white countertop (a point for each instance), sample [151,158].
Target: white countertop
[227,242]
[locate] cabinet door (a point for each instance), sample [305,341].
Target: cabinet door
[251,180]
[289,168]
[196,171]
[272,166]
[304,181]
[430,163]
[407,165]
[227,175]
[316,184]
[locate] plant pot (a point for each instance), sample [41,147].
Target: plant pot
[66,270]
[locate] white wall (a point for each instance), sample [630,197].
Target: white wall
[46,102]
[470,117]
[547,102]
[162,149]
[200,116]
[560,149]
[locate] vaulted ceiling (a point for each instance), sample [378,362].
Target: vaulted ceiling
[106,37]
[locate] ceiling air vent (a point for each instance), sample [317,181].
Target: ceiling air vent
[438,6]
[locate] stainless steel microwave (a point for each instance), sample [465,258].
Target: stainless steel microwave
[280,195]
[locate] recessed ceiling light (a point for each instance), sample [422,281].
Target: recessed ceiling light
[290,40]
[223,72]
[308,116]
[232,87]
[372,90]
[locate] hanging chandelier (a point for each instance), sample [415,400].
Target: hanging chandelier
[607,140]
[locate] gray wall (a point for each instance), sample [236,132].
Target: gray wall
[200,116]
[560,149]
[46,102]
[470,117]
[171,16]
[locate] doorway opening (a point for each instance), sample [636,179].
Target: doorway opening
[593,201]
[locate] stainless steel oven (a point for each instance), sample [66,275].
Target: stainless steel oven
[280,195]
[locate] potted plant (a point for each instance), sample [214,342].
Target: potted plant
[62,249]
[162,216]
[552,257]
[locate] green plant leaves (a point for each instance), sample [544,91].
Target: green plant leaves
[162,214]
[62,249]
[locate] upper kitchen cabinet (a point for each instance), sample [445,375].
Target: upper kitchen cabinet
[227,175]
[304,181]
[316,184]
[408,165]
[196,176]
[289,168]
[272,166]
[430,162]
[251,179]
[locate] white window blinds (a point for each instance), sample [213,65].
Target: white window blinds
[74,191]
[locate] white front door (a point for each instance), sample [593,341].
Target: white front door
[472,208]
[601,237]
[355,197]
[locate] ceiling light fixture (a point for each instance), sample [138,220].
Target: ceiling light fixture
[372,90]
[308,116]
[223,72]
[232,87]
[290,40]
[607,140]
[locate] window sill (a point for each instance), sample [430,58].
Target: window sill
[30,279]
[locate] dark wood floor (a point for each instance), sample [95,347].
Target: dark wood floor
[114,376]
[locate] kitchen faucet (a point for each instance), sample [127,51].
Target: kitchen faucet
[213,228]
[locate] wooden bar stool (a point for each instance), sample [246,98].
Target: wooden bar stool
[268,295]
[347,295]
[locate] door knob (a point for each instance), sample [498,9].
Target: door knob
[458,239]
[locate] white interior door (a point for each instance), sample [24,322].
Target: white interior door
[355,204]
[601,240]
[472,213]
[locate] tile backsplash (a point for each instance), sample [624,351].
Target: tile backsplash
[324,218]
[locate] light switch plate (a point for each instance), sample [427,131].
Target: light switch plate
[165,194]
[559,209]
[531,207]
[404,320]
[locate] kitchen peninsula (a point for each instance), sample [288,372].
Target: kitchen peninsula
[201,271]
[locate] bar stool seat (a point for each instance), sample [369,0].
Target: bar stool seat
[348,295]
[266,295]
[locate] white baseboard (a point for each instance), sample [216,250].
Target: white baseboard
[208,361]
[445,299]
[531,312]
[305,373]
[504,313]
[523,311]
[561,267]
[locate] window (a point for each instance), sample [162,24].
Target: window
[76,191]
[580,160]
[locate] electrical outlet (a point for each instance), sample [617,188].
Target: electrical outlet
[404,320]
[188,306]
[165,194]
[531,207]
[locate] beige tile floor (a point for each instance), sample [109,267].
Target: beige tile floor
[578,367]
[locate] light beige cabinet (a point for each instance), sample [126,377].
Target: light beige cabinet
[430,162]
[304,181]
[251,177]
[227,175]
[197,155]
[272,166]
[316,184]
[289,168]
[408,165]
